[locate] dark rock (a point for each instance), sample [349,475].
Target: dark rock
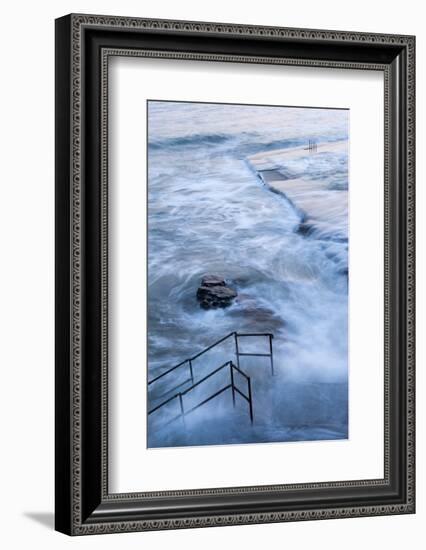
[212,280]
[214,292]
[305,228]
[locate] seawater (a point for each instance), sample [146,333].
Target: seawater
[208,213]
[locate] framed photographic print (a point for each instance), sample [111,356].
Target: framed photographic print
[234,274]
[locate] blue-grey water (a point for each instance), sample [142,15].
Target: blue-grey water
[208,213]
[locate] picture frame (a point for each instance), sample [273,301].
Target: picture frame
[84,45]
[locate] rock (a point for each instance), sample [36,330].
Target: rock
[212,280]
[305,228]
[214,292]
[257,317]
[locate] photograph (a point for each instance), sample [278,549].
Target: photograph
[247,273]
[234,272]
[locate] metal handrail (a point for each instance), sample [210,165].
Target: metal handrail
[236,335]
[206,377]
[232,366]
[189,389]
[231,386]
[189,359]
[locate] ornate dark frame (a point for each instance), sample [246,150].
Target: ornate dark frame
[83,46]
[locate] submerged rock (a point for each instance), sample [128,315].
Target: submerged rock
[305,228]
[259,318]
[214,292]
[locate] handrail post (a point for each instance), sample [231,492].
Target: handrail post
[250,399]
[231,368]
[237,353]
[272,358]
[182,411]
[191,372]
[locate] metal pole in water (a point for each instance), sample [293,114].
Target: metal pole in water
[270,351]
[231,366]
[182,411]
[250,399]
[237,353]
[190,370]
